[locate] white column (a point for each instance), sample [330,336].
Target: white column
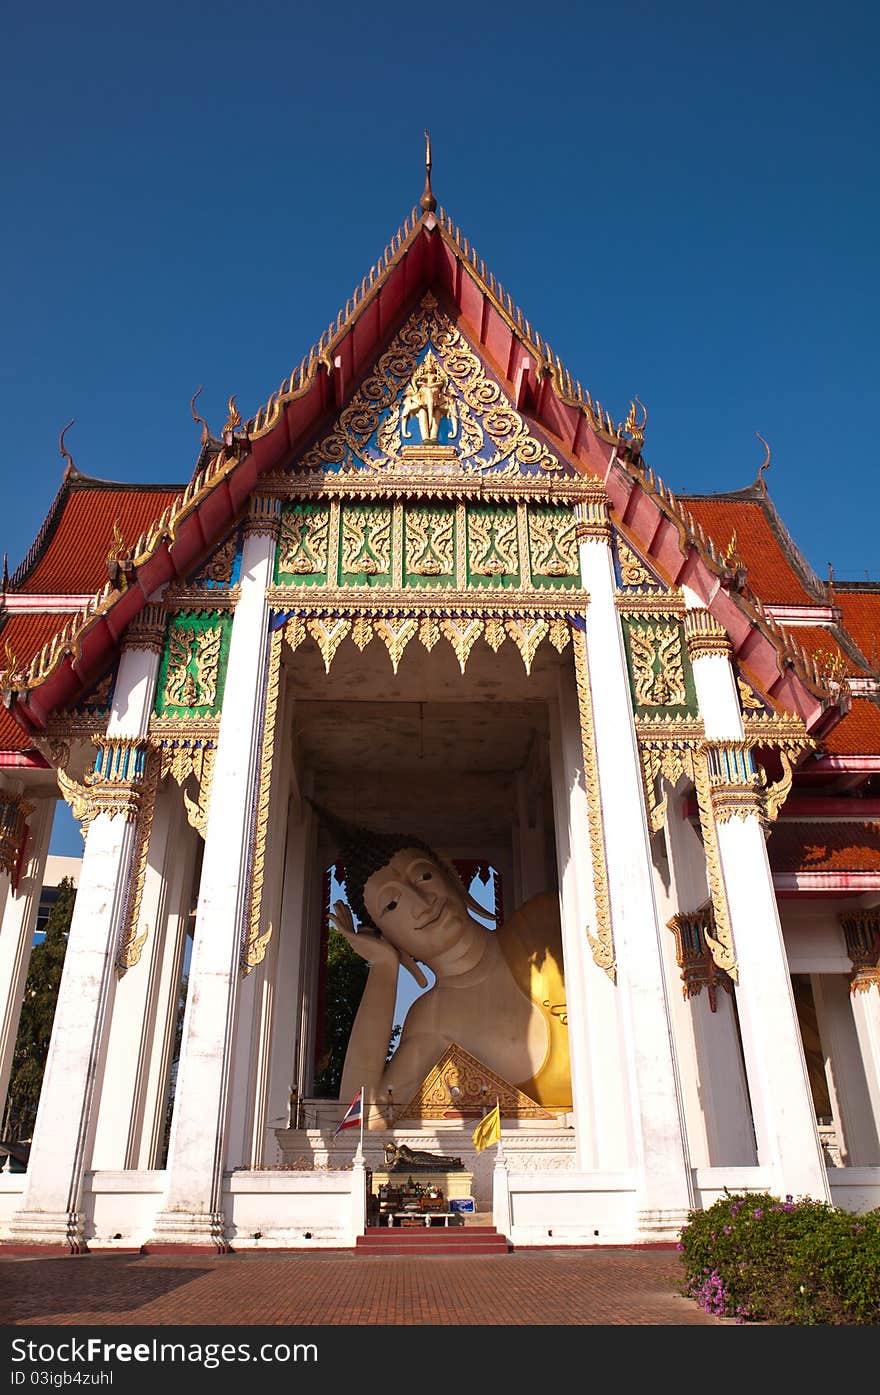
[844,1070]
[299,863]
[167,971]
[782,1108]
[666,1189]
[51,1208]
[258,996]
[600,1088]
[866,1015]
[17,929]
[192,1206]
[132,1029]
[861,928]
[719,1117]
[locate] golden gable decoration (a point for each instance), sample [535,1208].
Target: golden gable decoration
[459,1085]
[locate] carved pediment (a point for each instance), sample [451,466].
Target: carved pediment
[460,1085]
[430,408]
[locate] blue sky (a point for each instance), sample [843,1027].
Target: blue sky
[682,198]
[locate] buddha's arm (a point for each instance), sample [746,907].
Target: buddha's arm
[368,1043]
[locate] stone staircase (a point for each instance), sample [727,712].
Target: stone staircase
[383,1242]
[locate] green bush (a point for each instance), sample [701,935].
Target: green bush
[756,1258]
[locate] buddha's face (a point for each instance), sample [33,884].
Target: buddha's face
[416,904]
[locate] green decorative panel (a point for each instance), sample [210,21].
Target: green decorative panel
[192,670]
[660,675]
[365,545]
[492,547]
[429,546]
[302,556]
[553,550]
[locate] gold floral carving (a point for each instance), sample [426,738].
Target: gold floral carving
[14,811]
[219,567]
[553,545]
[492,543]
[862,931]
[396,635]
[78,798]
[179,685]
[633,571]
[362,631]
[559,633]
[461,391]
[294,632]
[366,541]
[602,943]
[495,634]
[527,636]
[659,605]
[303,543]
[462,635]
[188,649]
[328,634]
[731,801]
[460,1084]
[693,931]
[429,631]
[430,543]
[257,939]
[180,760]
[663,760]
[721,943]
[658,671]
[749,701]
[130,942]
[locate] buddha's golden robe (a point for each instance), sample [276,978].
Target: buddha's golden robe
[531,942]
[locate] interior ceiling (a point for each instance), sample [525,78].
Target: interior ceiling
[430,750]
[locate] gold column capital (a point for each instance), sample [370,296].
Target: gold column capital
[592,522]
[705,635]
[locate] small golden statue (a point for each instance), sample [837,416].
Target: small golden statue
[428,399]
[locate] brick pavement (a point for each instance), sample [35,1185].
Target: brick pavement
[609,1287]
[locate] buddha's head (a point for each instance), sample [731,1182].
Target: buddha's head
[417,903]
[399,885]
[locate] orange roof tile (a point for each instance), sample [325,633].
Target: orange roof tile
[73,558]
[824,847]
[771,575]
[819,642]
[858,734]
[861,615]
[25,634]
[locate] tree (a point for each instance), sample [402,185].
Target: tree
[37,1015]
[346,977]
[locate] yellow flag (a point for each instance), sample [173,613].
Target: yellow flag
[488,1130]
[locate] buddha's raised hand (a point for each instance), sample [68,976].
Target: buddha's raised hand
[365,942]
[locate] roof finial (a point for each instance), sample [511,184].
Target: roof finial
[766,464]
[427,202]
[66,453]
[196,418]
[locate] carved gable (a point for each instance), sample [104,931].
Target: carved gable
[459,1085]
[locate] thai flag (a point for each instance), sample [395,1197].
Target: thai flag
[354,1113]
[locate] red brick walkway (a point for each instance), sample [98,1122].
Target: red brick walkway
[549,1287]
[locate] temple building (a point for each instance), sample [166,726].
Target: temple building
[429,621]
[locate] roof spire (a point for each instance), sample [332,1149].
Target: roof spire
[766,462]
[206,434]
[427,203]
[70,468]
